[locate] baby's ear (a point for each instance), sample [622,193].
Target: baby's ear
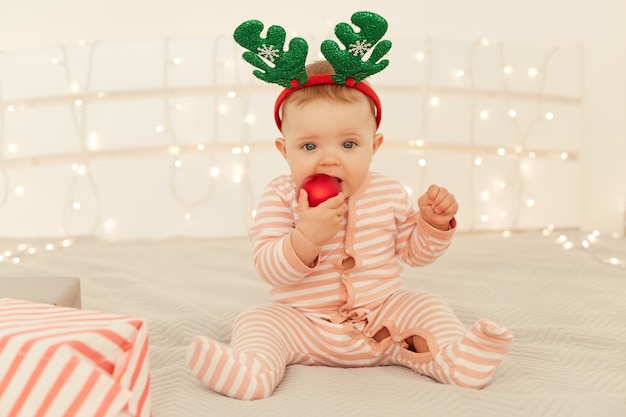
[378,140]
[281,146]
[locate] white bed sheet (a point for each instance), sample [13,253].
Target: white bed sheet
[566,308]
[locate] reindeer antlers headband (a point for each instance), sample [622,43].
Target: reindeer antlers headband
[287,68]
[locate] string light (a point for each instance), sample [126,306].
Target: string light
[480,155]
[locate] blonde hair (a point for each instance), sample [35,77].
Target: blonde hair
[333,92]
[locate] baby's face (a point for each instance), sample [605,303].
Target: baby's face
[330,137]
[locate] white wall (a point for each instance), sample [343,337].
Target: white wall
[597,26]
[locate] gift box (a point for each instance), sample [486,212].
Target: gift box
[60,361]
[60,291]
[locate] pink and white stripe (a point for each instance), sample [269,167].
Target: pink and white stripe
[58,361]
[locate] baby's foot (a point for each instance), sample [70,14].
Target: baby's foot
[234,374]
[480,352]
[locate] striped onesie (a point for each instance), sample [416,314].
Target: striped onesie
[348,309]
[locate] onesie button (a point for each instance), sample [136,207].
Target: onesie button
[344,276]
[348,249]
[397,338]
[343,312]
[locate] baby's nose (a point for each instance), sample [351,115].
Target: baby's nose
[329,157]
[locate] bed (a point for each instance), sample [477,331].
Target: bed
[562,295]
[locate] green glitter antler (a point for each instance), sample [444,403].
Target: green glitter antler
[287,67]
[348,62]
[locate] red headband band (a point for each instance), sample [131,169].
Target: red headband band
[318,79]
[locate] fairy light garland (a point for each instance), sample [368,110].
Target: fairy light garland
[80,96]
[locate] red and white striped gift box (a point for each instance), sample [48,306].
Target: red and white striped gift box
[58,361]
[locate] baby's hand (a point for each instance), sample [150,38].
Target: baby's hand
[319,224]
[438,207]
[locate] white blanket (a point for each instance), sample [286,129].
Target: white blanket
[566,308]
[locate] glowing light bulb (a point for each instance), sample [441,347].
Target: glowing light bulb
[92,142]
[236,150]
[568,245]
[74,87]
[614,261]
[19,191]
[231,94]
[501,151]
[420,56]
[246,149]
[250,119]
[484,218]
[484,195]
[484,42]
[12,148]
[508,69]
[549,116]
[530,203]
[78,102]
[201,147]
[237,179]
[174,150]
[178,163]
[506,233]
[49,246]
[188,216]
[10,107]
[76,205]
[434,101]
[159,128]
[564,155]
[422,162]
[66,243]
[512,113]
[109,224]
[459,73]
[484,115]
[177,61]
[533,72]
[478,161]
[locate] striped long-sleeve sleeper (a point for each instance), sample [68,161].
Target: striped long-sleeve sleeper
[348,309]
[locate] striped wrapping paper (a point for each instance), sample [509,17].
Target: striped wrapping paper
[58,361]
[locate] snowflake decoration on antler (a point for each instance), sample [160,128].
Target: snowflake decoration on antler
[359,47]
[268,52]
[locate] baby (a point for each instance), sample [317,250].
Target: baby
[334,269]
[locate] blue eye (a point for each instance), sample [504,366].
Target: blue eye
[349,144]
[308,146]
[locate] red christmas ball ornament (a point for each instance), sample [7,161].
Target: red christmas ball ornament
[320,187]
